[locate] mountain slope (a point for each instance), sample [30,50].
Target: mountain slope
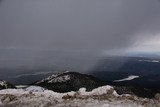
[73,81]
[70,81]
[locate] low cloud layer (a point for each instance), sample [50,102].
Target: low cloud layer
[82,26]
[76,24]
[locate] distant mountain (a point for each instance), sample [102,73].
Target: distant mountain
[70,81]
[5,85]
[73,81]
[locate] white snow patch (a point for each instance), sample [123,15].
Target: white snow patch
[97,91]
[66,71]
[56,78]
[49,78]
[60,79]
[21,86]
[53,99]
[155,61]
[3,83]
[127,79]
[35,89]
[13,91]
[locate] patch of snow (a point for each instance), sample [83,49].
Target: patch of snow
[56,78]
[13,91]
[35,89]
[60,79]
[155,61]
[48,98]
[67,71]
[3,83]
[115,93]
[112,104]
[127,79]
[21,86]
[49,78]
[98,91]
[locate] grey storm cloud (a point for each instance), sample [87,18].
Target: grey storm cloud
[76,24]
[55,32]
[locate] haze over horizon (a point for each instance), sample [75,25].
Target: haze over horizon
[83,27]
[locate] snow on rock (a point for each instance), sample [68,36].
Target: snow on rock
[98,91]
[56,78]
[60,79]
[97,103]
[13,91]
[48,98]
[35,89]
[3,83]
[46,79]
[128,78]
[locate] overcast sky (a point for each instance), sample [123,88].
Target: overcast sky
[84,27]
[77,25]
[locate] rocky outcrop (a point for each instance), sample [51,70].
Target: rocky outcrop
[5,85]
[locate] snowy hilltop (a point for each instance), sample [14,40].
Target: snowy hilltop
[104,96]
[70,81]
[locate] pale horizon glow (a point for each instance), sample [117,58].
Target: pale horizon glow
[141,45]
[151,44]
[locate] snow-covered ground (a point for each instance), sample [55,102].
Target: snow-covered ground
[104,96]
[21,86]
[35,89]
[128,78]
